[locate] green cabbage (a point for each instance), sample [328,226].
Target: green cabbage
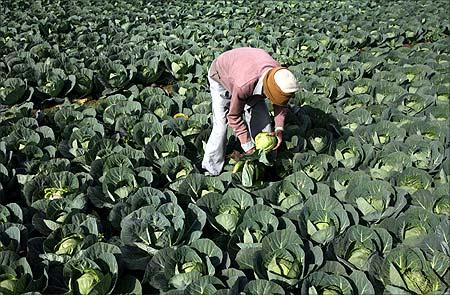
[284,266]
[360,89]
[359,255]
[414,231]
[88,281]
[250,173]
[417,280]
[331,290]
[190,266]
[8,283]
[228,217]
[53,193]
[443,206]
[265,142]
[69,245]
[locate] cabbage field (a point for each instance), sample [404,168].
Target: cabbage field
[105,111]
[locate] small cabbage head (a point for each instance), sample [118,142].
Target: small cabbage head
[371,204]
[8,284]
[331,290]
[360,89]
[265,142]
[53,193]
[228,216]
[443,206]
[11,91]
[411,182]
[417,280]
[322,222]
[253,235]
[68,245]
[323,225]
[189,266]
[315,171]
[328,284]
[284,264]
[228,209]
[53,84]
[408,268]
[88,281]
[358,255]
[413,231]
[413,179]
[251,173]
[319,139]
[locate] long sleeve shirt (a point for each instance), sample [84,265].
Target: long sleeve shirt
[239,71]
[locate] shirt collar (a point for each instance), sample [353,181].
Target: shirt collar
[259,86]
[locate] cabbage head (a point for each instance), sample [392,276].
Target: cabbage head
[54,193]
[334,281]
[69,245]
[443,206]
[88,281]
[251,173]
[189,266]
[408,269]
[359,245]
[359,255]
[228,215]
[265,142]
[418,280]
[322,218]
[8,284]
[285,264]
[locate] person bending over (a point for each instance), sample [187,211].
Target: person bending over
[240,80]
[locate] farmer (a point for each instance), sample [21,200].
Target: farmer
[240,79]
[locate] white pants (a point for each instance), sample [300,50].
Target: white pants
[257,118]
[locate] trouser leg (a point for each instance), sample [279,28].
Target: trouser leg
[258,118]
[214,158]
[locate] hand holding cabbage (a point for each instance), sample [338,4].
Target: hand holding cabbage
[264,142]
[267,142]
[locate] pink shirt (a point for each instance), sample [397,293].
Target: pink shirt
[239,70]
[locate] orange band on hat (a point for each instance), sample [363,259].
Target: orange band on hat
[272,91]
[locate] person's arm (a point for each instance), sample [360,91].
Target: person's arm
[279,116]
[236,121]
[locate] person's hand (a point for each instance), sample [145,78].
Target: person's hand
[279,136]
[250,151]
[235,155]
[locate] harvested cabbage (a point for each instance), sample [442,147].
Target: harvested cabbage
[265,142]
